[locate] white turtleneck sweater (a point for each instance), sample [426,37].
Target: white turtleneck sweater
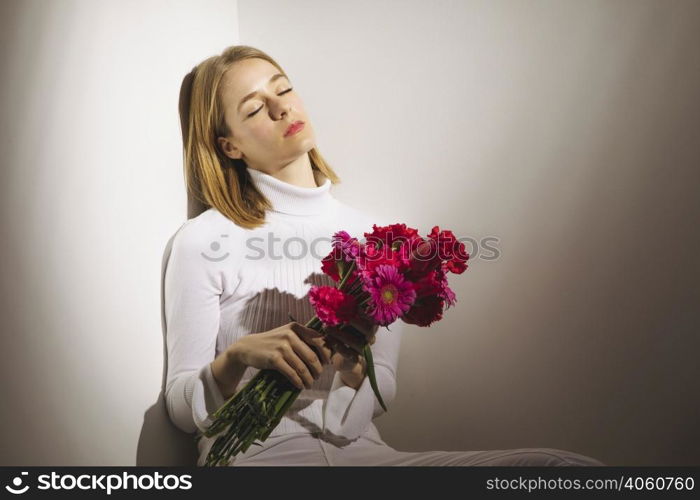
[223,281]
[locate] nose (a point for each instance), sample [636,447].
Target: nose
[281,109]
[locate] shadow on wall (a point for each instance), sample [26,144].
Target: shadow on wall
[160,442]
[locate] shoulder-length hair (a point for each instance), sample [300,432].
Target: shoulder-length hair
[212,178]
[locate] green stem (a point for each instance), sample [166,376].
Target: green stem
[372,375]
[347,273]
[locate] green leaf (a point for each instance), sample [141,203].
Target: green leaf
[372,377]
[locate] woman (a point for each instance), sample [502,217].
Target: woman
[245,261]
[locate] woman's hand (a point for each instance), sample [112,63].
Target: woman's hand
[293,349]
[347,350]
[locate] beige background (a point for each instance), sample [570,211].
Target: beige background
[566,131]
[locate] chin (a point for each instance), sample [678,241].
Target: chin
[307,144]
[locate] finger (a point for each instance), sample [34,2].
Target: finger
[347,352]
[346,338]
[311,337]
[304,331]
[321,349]
[299,366]
[343,363]
[307,355]
[329,341]
[333,343]
[325,352]
[281,365]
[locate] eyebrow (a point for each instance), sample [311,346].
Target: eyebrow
[255,92]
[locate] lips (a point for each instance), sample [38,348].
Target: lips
[294,128]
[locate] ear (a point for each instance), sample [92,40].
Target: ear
[229,149]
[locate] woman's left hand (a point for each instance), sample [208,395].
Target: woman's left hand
[347,351]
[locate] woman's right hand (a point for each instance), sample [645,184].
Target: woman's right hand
[290,349]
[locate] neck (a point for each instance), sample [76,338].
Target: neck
[297,173]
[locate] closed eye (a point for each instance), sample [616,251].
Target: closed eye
[281,93]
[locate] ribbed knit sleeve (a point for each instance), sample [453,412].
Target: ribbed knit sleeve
[192,288]
[348,411]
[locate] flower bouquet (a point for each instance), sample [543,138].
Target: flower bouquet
[395,274]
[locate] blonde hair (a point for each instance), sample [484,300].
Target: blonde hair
[212,178]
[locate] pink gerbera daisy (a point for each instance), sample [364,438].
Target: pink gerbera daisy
[391,294]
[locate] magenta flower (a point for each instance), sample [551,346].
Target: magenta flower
[332,306]
[391,295]
[347,246]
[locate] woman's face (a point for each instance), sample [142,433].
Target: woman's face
[259,108]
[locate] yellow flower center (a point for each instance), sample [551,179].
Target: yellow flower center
[389,293]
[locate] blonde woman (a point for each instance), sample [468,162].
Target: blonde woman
[260,223]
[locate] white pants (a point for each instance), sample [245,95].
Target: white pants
[305,449]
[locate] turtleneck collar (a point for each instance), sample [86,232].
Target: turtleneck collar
[290,199]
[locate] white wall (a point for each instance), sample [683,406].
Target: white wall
[567,130]
[92,190]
